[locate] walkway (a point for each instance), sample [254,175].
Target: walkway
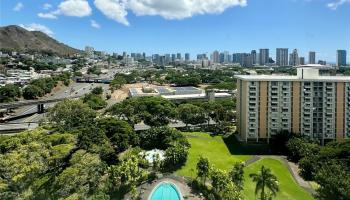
[292,167]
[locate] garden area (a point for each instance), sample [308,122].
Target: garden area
[289,189]
[223,153]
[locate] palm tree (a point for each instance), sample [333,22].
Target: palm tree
[265,179]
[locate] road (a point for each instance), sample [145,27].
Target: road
[73,89]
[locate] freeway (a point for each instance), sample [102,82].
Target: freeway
[75,89]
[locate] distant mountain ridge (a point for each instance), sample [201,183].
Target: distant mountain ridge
[19,39]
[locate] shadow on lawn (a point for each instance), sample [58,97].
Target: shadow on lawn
[238,148]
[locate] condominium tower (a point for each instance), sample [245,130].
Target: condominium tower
[294,58]
[264,56]
[312,57]
[341,57]
[282,57]
[307,104]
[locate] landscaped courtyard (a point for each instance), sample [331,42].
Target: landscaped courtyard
[289,189]
[212,147]
[216,150]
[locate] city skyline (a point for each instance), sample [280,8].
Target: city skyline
[232,25]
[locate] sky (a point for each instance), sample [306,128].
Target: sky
[193,26]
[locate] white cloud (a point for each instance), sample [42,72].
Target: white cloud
[113,9]
[75,8]
[37,27]
[72,8]
[47,6]
[49,15]
[334,5]
[168,9]
[181,9]
[94,24]
[18,7]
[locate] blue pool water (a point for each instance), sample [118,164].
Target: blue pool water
[165,191]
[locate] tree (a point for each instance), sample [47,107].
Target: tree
[334,181]
[120,133]
[219,179]
[27,161]
[127,173]
[237,175]
[81,178]
[161,138]
[70,115]
[97,91]
[265,180]
[9,93]
[191,114]
[126,110]
[32,92]
[94,101]
[117,82]
[298,148]
[231,192]
[175,156]
[203,168]
[154,111]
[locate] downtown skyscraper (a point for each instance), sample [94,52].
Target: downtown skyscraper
[341,57]
[282,56]
[215,57]
[264,56]
[312,57]
[294,58]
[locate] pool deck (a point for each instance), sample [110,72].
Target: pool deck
[180,183]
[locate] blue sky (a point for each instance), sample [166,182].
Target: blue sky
[194,26]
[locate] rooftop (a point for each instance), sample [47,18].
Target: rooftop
[304,73]
[292,78]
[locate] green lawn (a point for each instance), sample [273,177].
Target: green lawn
[289,189]
[212,148]
[217,151]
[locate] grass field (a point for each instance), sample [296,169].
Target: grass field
[223,153]
[289,189]
[212,148]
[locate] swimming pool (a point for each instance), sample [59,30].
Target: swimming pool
[165,191]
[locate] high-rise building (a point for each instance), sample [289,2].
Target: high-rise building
[167,59]
[221,58]
[301,60]
[267,105]
[341,57]
[264,56]
[202,56]
[178,56]
[294,58]
[173,57]
[282,56]
[229,58]
[247,60]
[253,54]
[226,56]
[312,57]
[187,57]
[215,57]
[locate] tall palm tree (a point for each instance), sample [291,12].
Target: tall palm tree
[265,179]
